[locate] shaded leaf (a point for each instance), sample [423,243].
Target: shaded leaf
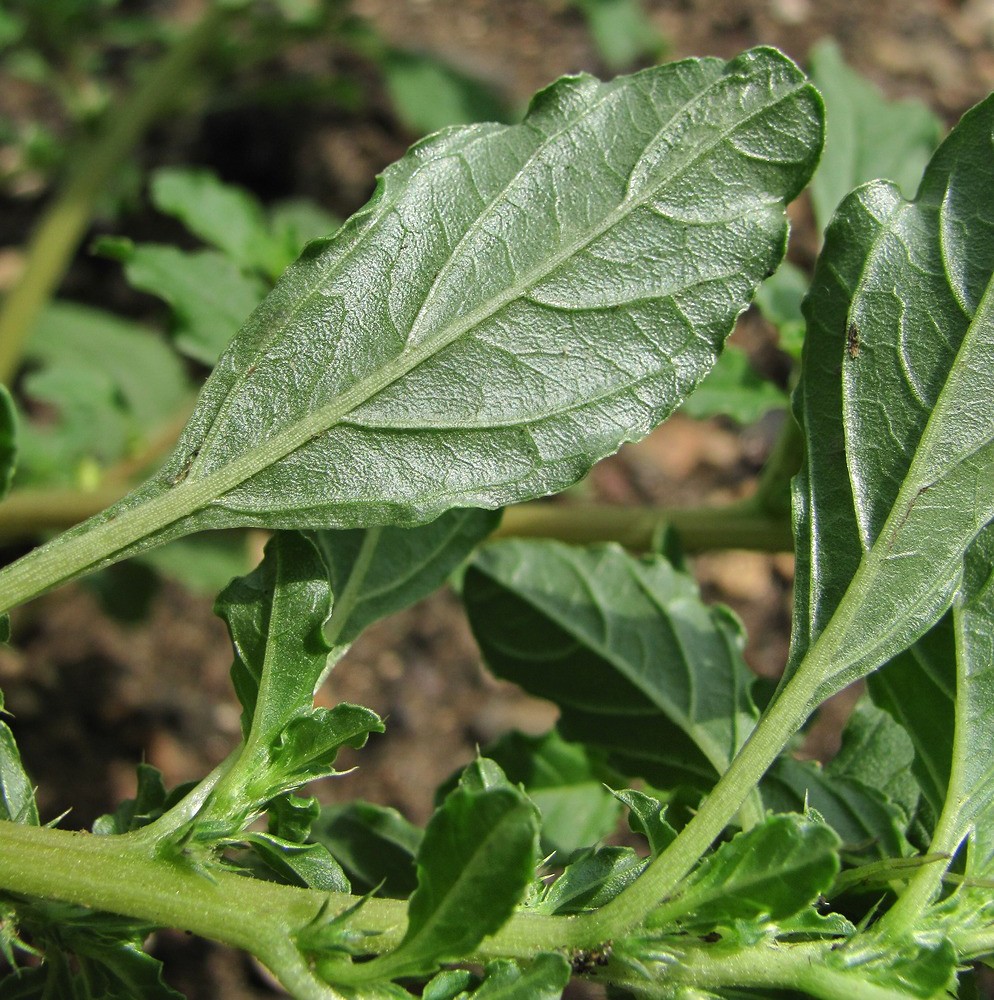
[733,389]
[591,881]
[565,781]
[223,215]
[375,845]
[771,871]
[897,312]
[427,94]
[622,31]
[867,136]
[114,384]
[17,794]
[923,968]
[636,662]
[513,304]
[544,978]
[307,865]
[376,571]
[210,296]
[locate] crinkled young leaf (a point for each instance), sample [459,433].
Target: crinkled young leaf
[512,305]
[733,389]
[866,136]
[636,661]
[771,871]
[375,845]
[566,783]
[376,571]
[591,881]
[895,406]
[475,862]
[647,816]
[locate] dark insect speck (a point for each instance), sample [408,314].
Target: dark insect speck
[852,340]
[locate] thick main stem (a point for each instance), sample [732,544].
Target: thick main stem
[61,229]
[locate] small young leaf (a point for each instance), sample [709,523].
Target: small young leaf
[475,862]
[306,865]
[565,781]
[636,662]
[771,872]
[17,794]
[647,816]
[375,845]
[513,304]
[898,312]
[376,571]
[591,881]
[866,136]
[779,300]
[147,805]
[544,978]
[733,389]
[276,617]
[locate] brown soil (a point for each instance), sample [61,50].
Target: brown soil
[91,696]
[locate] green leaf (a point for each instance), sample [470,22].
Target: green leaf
[294,223]
[647,816]
[113,383]
[204,563]
[591,881]
[544,978]
[8,440]
[779,300]
[771,872]
[375,845]
[306,865]
[428,95]
[565,781]
[210,296]
[475,862]
[513,304]
[897,313]
[733,389]
[636,662]
[376,571]
[17,794]
[147,805]
[918,967]
[866,135]
[276,618]
[622,32]
[223,215]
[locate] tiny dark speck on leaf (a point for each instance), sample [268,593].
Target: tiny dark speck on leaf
[852,340]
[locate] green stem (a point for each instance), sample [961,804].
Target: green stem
[805,967]
[701,529]
[782,719]
[59,233]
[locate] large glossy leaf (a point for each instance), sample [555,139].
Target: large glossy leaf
[866,136]
[895,406]
[513,304]
[635,660]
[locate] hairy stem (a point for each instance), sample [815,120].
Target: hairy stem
[64,223]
